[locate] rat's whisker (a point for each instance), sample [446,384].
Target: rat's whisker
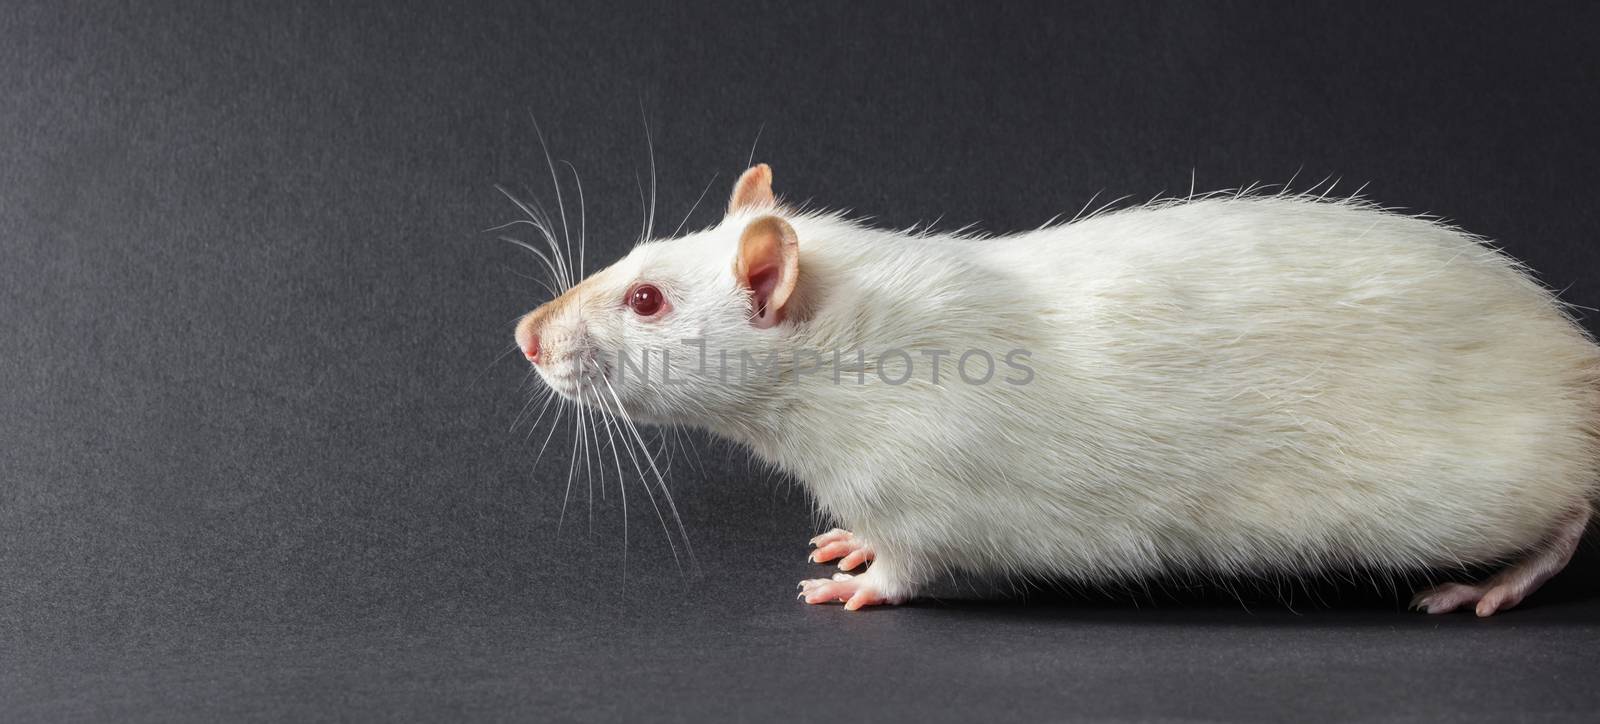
[554,181]
[663,450]
[549,397]
[600,460]
[624,427]
[644,215]
[622,488]
[585,426]
[696,204]
[537,216]
[555,423]
[513,222]
[681,434]
[583,220]
[547,227]
[666,494]
[572,466]
[539,220]
[556,275]
[752,160]
[478,377]
[650,225]
[536,280]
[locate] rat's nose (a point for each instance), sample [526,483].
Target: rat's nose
[529,330]
[531,349]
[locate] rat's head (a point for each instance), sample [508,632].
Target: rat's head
[631,335]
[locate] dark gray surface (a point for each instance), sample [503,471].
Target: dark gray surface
[256,451]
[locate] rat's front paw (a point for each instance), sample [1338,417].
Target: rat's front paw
[841,543]
[854,591]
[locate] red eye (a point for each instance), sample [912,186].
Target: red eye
[646,300]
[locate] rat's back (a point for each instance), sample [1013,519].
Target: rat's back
[1324,383]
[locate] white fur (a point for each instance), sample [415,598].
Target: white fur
[1230,384]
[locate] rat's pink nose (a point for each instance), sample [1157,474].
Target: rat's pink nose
[531,349]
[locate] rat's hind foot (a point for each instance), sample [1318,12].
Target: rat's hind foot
[840,543]
[1447,597]
[854,591]
[1508,587]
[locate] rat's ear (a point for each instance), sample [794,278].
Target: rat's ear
[752,190]
[768,264]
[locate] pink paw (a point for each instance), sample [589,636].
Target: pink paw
[1448,597]
[855,591]
[840,543]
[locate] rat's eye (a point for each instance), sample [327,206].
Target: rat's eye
[645,300]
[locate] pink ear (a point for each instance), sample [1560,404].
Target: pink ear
[768,264]
[752,190]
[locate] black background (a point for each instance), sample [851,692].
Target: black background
[257,452]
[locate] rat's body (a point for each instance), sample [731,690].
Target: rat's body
[1228,385]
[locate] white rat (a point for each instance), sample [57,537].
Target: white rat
[1240,384]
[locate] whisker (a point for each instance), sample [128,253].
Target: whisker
[622,487]
[621,482]
[556,275]
[663,452]
[541,213]
[699,461]
[583,432]
[696,204]
[561,409]
[549,229]
[549,396]
[554,181]
[572,466]
[536,280]
[627,422]
[539,220]
[752,160]
[478,377]
[650,226]
[535,223]
[583,220]
[634,458]
[644,216]
[600,463]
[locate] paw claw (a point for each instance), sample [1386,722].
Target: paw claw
[831,551]
[1486,599]
[1445,598]
[840,544]
[853,591]
[836,534]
